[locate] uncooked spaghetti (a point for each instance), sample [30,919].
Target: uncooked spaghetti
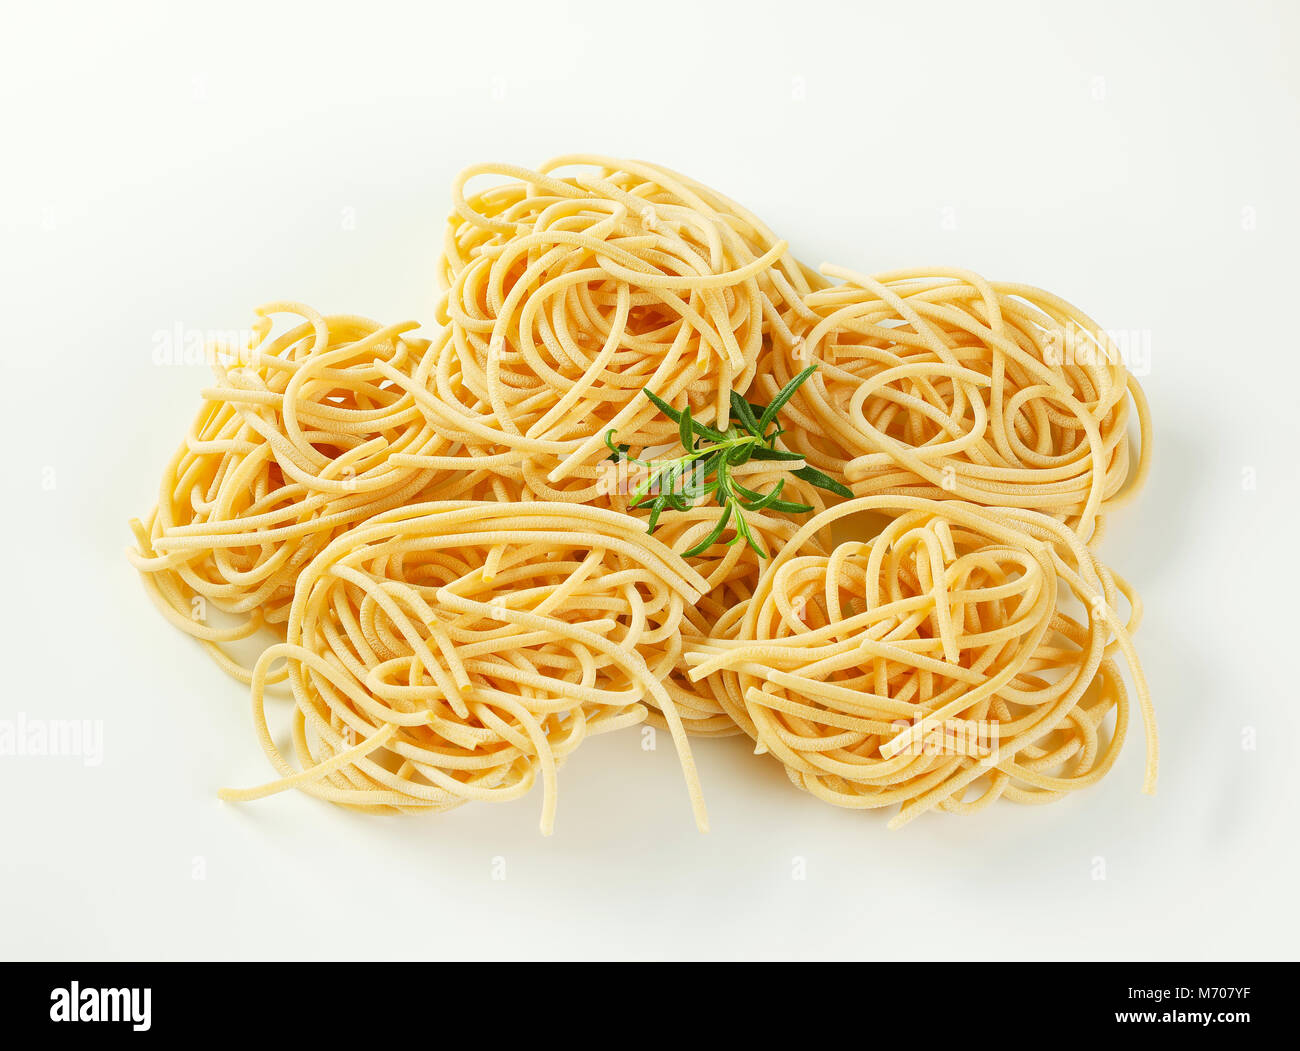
[293,444]
[946,650]
[938,383]
[462,583]
[445,652]
[568,294]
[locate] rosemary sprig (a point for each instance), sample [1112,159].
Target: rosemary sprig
[711,455]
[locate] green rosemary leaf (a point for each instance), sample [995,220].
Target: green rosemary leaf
[642,492]
[762,501]
[787,392]
[740,454]
[705,431]
[696,484]
[686,430]
[711,539]
[823,481]
[621,453]
[704,470]
[742,530]
[762,452]
[673,414]
[666,481]
[750,494]
[723,478]
[744,415]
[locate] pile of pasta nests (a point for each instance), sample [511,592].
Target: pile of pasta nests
[432,547]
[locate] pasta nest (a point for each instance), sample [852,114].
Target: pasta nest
[959,645]
[295,442]
[938,383]
[566,295]
[450,651]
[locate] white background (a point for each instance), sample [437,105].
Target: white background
[178,167]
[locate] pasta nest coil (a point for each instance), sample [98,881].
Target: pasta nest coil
[300,437]
[453,651]
[569,293]
[958,645]
[938,383]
